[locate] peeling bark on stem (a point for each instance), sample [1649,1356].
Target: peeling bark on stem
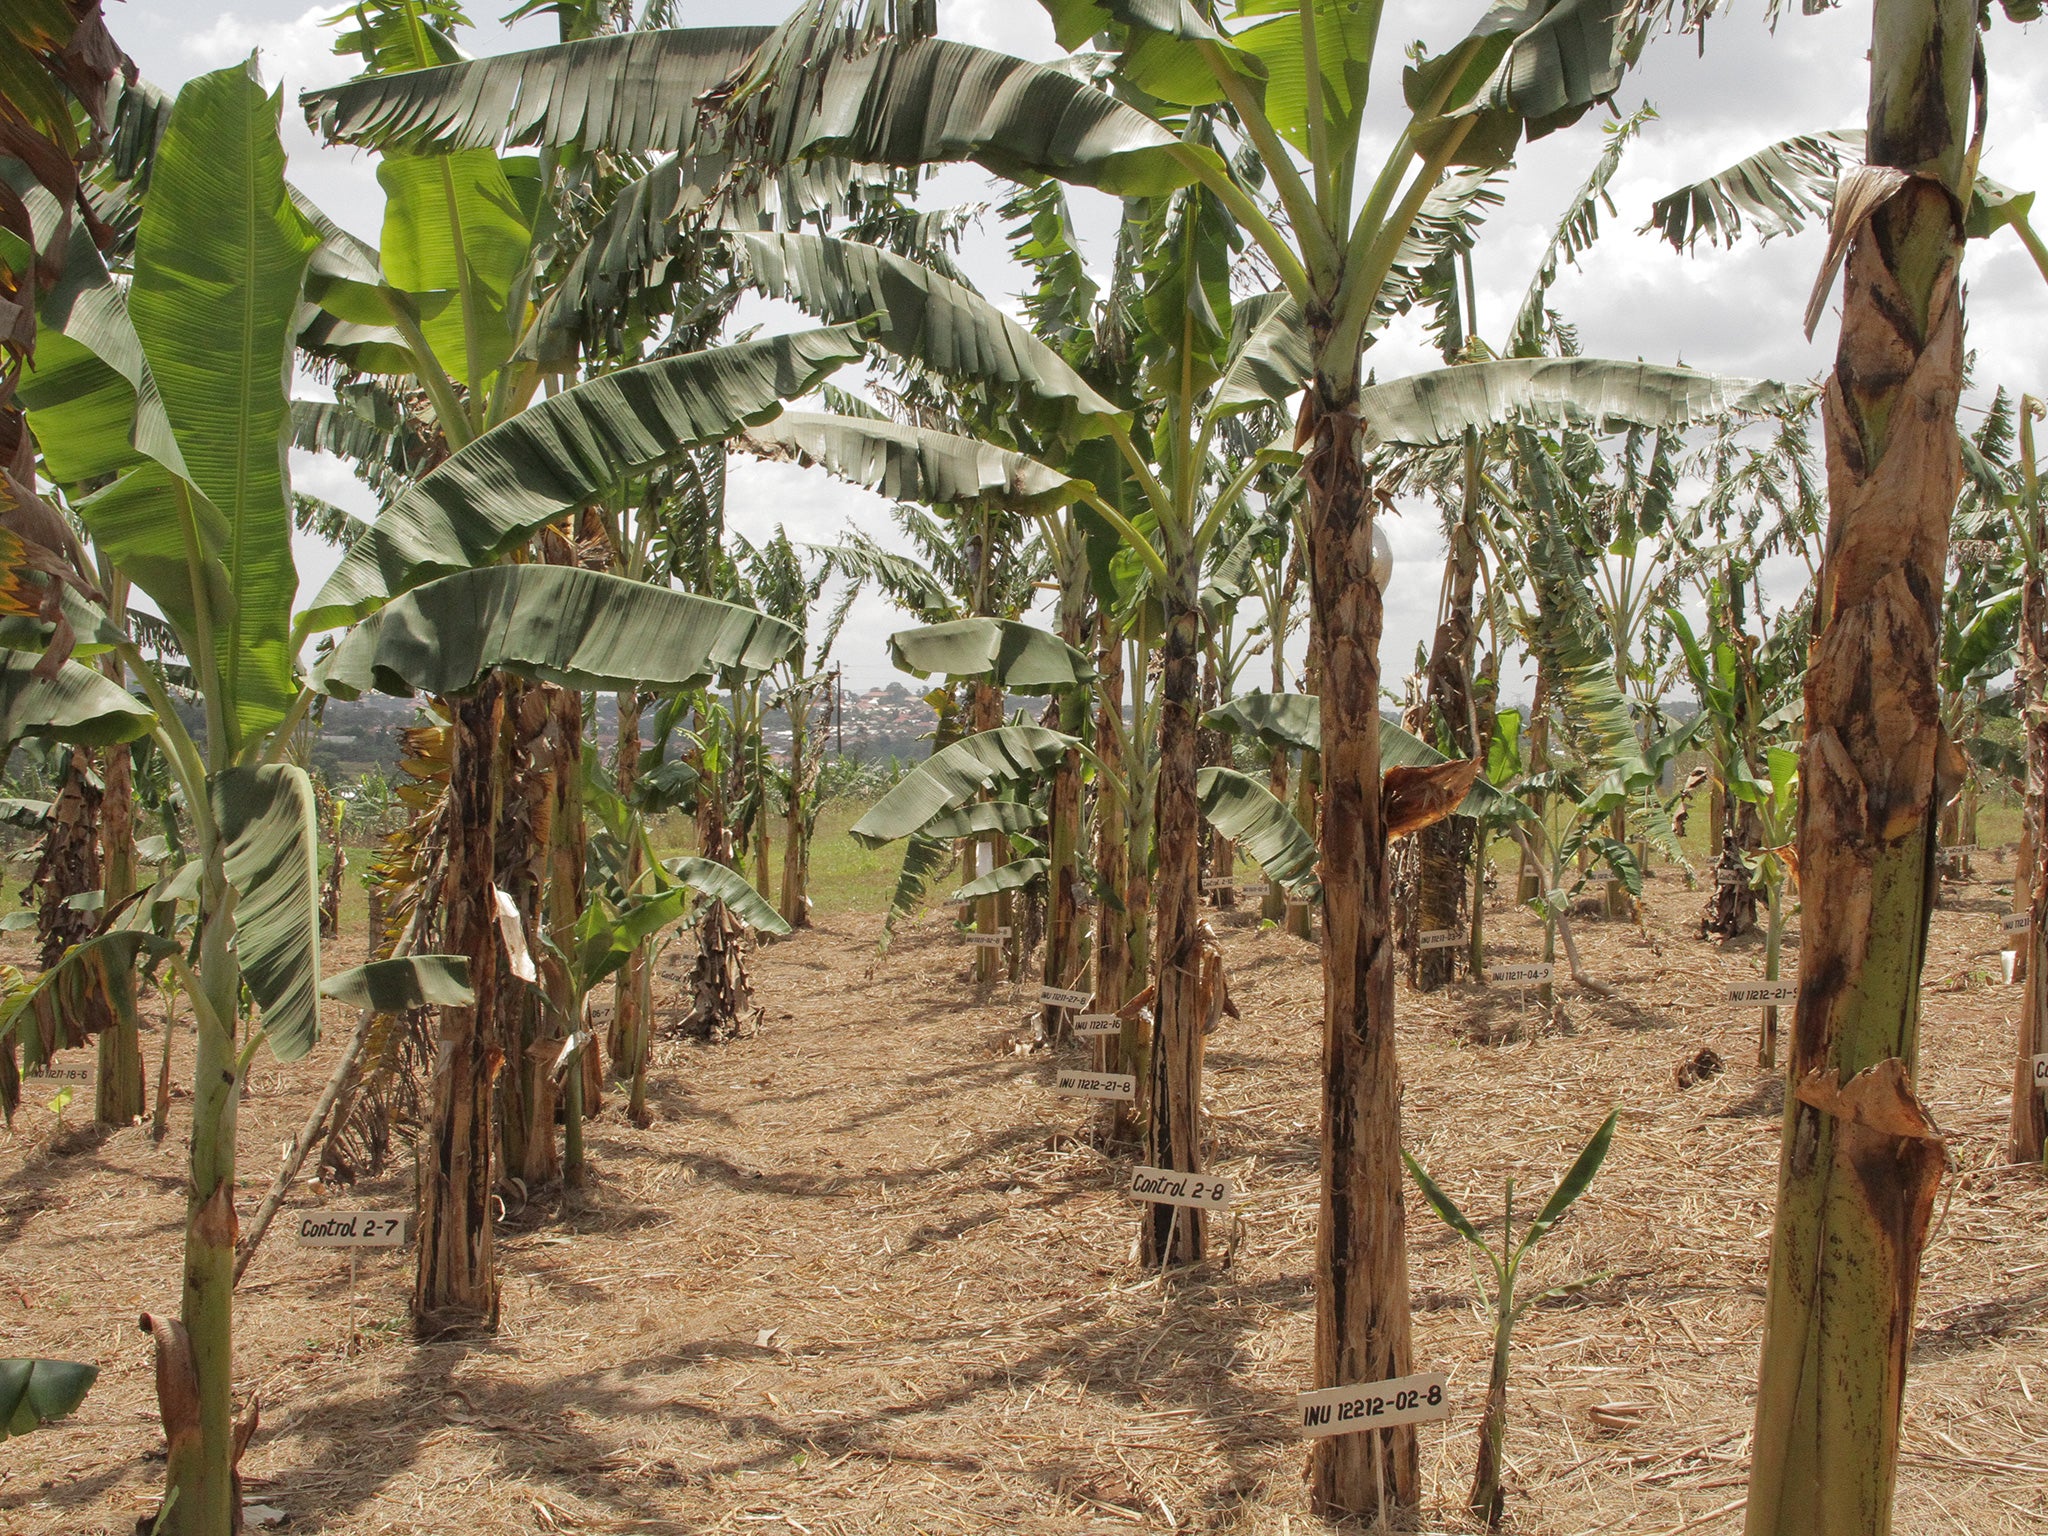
[1860,1160]
[1362,1321]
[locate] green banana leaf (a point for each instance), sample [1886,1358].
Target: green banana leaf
[565,451]
[1244,810]
[269,824]
[453,226]
[956,774]
[1008,817]
[1578,1178]
[220,255]
[1016,657]
[33,1392]
[1439,406]
[1272,363]
[397,986]
[80,704]
[559,623]
[925,858]
[1284,720]
[1535,66]
[911,463]
[902,101]
[728,886]
[1013,876]
[924,318]
[629,92]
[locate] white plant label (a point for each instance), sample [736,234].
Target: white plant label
[1097,1024]
[1096,1085]
[2017,922]
[1216,882]
[1437,938]
[1765,992]
[988,940]
[354,1229]
[1170,1186]
[1727,877]
[1253,887]
[2041,1071]
[1539,972]
[57,1075]
[1373,1405]
[1957,850]
[1065,997]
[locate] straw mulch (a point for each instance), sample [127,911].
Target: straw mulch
[867,1274]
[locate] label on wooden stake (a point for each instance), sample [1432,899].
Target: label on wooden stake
[1217,882]
[354,1229]
[1096,1085]
[1765,992]
[994,940]
[1065,997]
[1253,887]
[1171,1186]
[2041,1072]
[1437,938]
[1097,1024]
[1957,850]
[1730,877]
[2017,922]
[1540,972]
[1373,1405]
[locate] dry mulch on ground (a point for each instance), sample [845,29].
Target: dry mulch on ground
[866,1273]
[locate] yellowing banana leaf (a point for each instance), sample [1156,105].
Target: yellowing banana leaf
[33,1392]
[910,463]
[1013,876]
[559,623]
[80,704]
[951,777]
[1244,810]
[270,826]
[566,450]
[730,888]
[1016,657]
[396,986]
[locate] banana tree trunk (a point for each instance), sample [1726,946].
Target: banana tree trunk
[988,911]
[543,1163]
[1171,1234]
[722,998]
[455,1288]
[1065,957]
[796,840]
[118,1095]
[1860,1161]
[520,1021]
[1213,748]
[1529,883]
[622,1040]
[1119,1052]
[1362,1323]
[1444,848]
[2028,1129]
[1273,906]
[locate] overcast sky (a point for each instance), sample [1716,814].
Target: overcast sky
[1632,296]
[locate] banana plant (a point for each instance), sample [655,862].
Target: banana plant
[1507,1308]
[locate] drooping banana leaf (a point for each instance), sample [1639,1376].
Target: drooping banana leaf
[579,628]
[1016,657]
[220,255]
[1533,68]
[728,886]
[910,463]
[270,825]
[926,856]
[80,704]
[1244,810]
[923,318]
[1013,876]
[951,777]
[631,92]
[1006,816]
[1777,191]
[1437,407]
[566,450]
[1273,361]
[33,1392]
[1286,720]
[411,981]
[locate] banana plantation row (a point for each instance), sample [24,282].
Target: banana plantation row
[539,373]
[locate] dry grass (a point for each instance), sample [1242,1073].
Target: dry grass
[867,1274]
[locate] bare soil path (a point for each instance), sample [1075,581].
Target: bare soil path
[866,1273]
